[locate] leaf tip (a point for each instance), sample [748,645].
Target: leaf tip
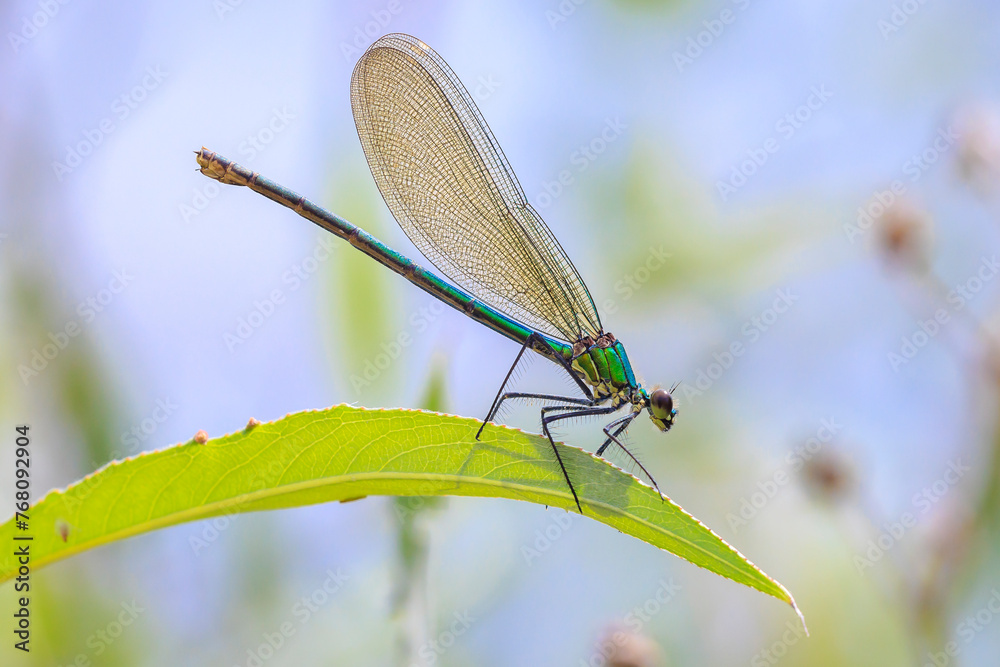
[802,618]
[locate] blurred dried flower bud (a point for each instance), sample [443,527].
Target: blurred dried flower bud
[978,156]
[904,236]
[950,534]
[989,335]
[201,437]
[624,648]
[951,528]
[830,476]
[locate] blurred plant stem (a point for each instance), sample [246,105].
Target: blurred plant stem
[409,599]
[959,542]
[77,376]
[72,391]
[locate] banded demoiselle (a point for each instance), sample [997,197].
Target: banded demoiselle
[445,179]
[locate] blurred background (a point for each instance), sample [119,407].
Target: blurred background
[790,208]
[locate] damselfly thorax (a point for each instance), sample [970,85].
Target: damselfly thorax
[603,364]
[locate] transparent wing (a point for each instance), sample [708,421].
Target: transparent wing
[449,186]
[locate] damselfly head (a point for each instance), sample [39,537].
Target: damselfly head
[661,409]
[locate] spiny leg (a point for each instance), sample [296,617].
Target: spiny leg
[568,367]
[578,404]
[580,409]
[496,401]
[562,466]
[624,421]
[501,397]
[570,412]
[513,395]
[614,438]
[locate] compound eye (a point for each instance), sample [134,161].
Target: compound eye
[662,403]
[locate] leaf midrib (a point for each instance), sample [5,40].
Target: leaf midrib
[208,509]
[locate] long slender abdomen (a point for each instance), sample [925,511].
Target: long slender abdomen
[228,172]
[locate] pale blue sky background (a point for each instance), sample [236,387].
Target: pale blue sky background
[227,75]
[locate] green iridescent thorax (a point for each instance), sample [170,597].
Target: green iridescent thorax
[604,365]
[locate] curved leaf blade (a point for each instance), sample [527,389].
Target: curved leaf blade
[345,453]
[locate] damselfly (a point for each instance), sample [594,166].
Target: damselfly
[446,180]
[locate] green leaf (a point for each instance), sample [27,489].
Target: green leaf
[346,453]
